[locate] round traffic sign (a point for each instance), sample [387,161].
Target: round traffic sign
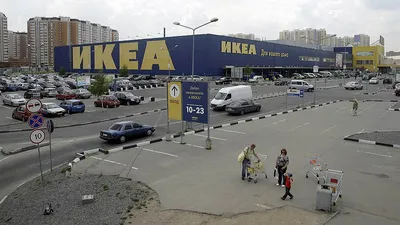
[37,136]
[174,91]
[33,105]
[35,121]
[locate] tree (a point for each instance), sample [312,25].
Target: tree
[247,70]
[62,71]
[99,87]
[123,72]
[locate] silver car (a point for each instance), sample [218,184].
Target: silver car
[83,93]
[353,85]
[13,100]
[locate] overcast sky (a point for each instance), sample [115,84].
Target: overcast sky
[264,18]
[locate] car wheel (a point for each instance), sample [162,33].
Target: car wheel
[122,139]
[95,105]
[149,132]
[128,103]
[4,102]
[13,116]
[63,114]
[258,109]
[346,88]
[241,112]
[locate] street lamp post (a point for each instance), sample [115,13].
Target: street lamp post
[168,136]
[317,43]
[213,20]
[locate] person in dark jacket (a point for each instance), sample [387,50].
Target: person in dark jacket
[282,162]
[288,186]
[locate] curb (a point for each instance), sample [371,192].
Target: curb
[24,149]
[348,138]
[87,123]
[215,127]
[379,100]
[140,87]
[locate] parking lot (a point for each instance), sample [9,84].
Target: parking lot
[192,178]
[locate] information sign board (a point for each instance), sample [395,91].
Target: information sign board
[195,102]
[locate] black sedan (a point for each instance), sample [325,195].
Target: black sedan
[223,80]
[387,81]
[281,83]
[243,106]
[33,93]
[127,98]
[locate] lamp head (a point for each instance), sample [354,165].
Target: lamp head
[214,20]
[177,23]
[176,46]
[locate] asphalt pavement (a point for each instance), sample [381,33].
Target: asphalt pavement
[191,178]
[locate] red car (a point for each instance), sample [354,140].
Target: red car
[21,113]
[66,96]
[107,101]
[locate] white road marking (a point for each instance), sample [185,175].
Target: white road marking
[384,114]
[263,206]
[21,184]
[340,109]
[89,111]
[315,109]
[4,158]
[216,138]
[361,131]
[367,108]
[110,161]
[177,142]
[163,153]
[9,118]
[233,131]
[330,128]
[299,126]
[376,154]
[280,121]
[4,198]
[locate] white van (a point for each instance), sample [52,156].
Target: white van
[227,95]
[256,79]
[301,85]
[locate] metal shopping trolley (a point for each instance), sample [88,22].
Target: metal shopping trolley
[315,167]
[257,168]
[334,179]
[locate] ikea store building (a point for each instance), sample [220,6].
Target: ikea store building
[215,55]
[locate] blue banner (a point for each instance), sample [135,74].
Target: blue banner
[195,102]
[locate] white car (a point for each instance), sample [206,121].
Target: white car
[195,78]
[50,109]
[13,100]
[301,85]
[256,79]
[374,81]
[353,85]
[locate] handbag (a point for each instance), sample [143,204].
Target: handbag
[276,173]
[241,157]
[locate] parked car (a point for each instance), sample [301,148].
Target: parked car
[122,131]
[281,82]
[49,92]
[195,78]
[374,81]
[21,113]
[394,84]
[82,93]
[127,98]
[66,95]
[223,80]
[256,79]
[13,100]
[107,101]
[32,93]
[353,85]
[243,106]
[73,106]
[50,109]
[2,88]
[301,85]
[387,81]
[397,89]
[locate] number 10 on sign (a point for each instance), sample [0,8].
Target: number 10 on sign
[197,110]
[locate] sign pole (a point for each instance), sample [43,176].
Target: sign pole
[286,99]
[40,162]
[208,140]
[51,159]
[168,136]
[182,132]
[303,95]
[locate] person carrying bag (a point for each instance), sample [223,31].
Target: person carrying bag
[245,158]
[282,161]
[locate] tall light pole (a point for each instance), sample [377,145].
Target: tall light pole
[344,66]
[317,43]
[168,136]
[213,20]
[194,30]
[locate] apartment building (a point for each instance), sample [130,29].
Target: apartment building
[362,40]
[3,38]
[244,36]
[18,48]
[45,33]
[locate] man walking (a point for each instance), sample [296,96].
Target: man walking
[248,152]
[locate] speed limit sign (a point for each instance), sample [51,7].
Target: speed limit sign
[37,136]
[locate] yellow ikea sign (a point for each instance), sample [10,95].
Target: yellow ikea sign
[238,48]
[155,53]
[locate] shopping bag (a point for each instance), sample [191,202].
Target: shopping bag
[275,173]
[241,157]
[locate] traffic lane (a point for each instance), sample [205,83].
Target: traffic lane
[99,114]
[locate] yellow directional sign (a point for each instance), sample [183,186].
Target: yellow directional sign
[175,100]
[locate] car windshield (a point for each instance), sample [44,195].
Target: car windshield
[129,95]
[52,106]
[115,127]
[16,97]
[220,95]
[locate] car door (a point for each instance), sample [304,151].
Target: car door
[122,99]
[129,131]
[19,112]
[138,129]
[245,106]
[252,107]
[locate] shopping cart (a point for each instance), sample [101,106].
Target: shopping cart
[315,167]
[334,179]
[257,168]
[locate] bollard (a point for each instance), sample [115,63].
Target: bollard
[152,99]
[141,98]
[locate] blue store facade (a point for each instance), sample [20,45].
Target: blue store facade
[213,53]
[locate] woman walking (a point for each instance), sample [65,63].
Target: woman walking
[282,161]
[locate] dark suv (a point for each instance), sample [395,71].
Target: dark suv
[223,80]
